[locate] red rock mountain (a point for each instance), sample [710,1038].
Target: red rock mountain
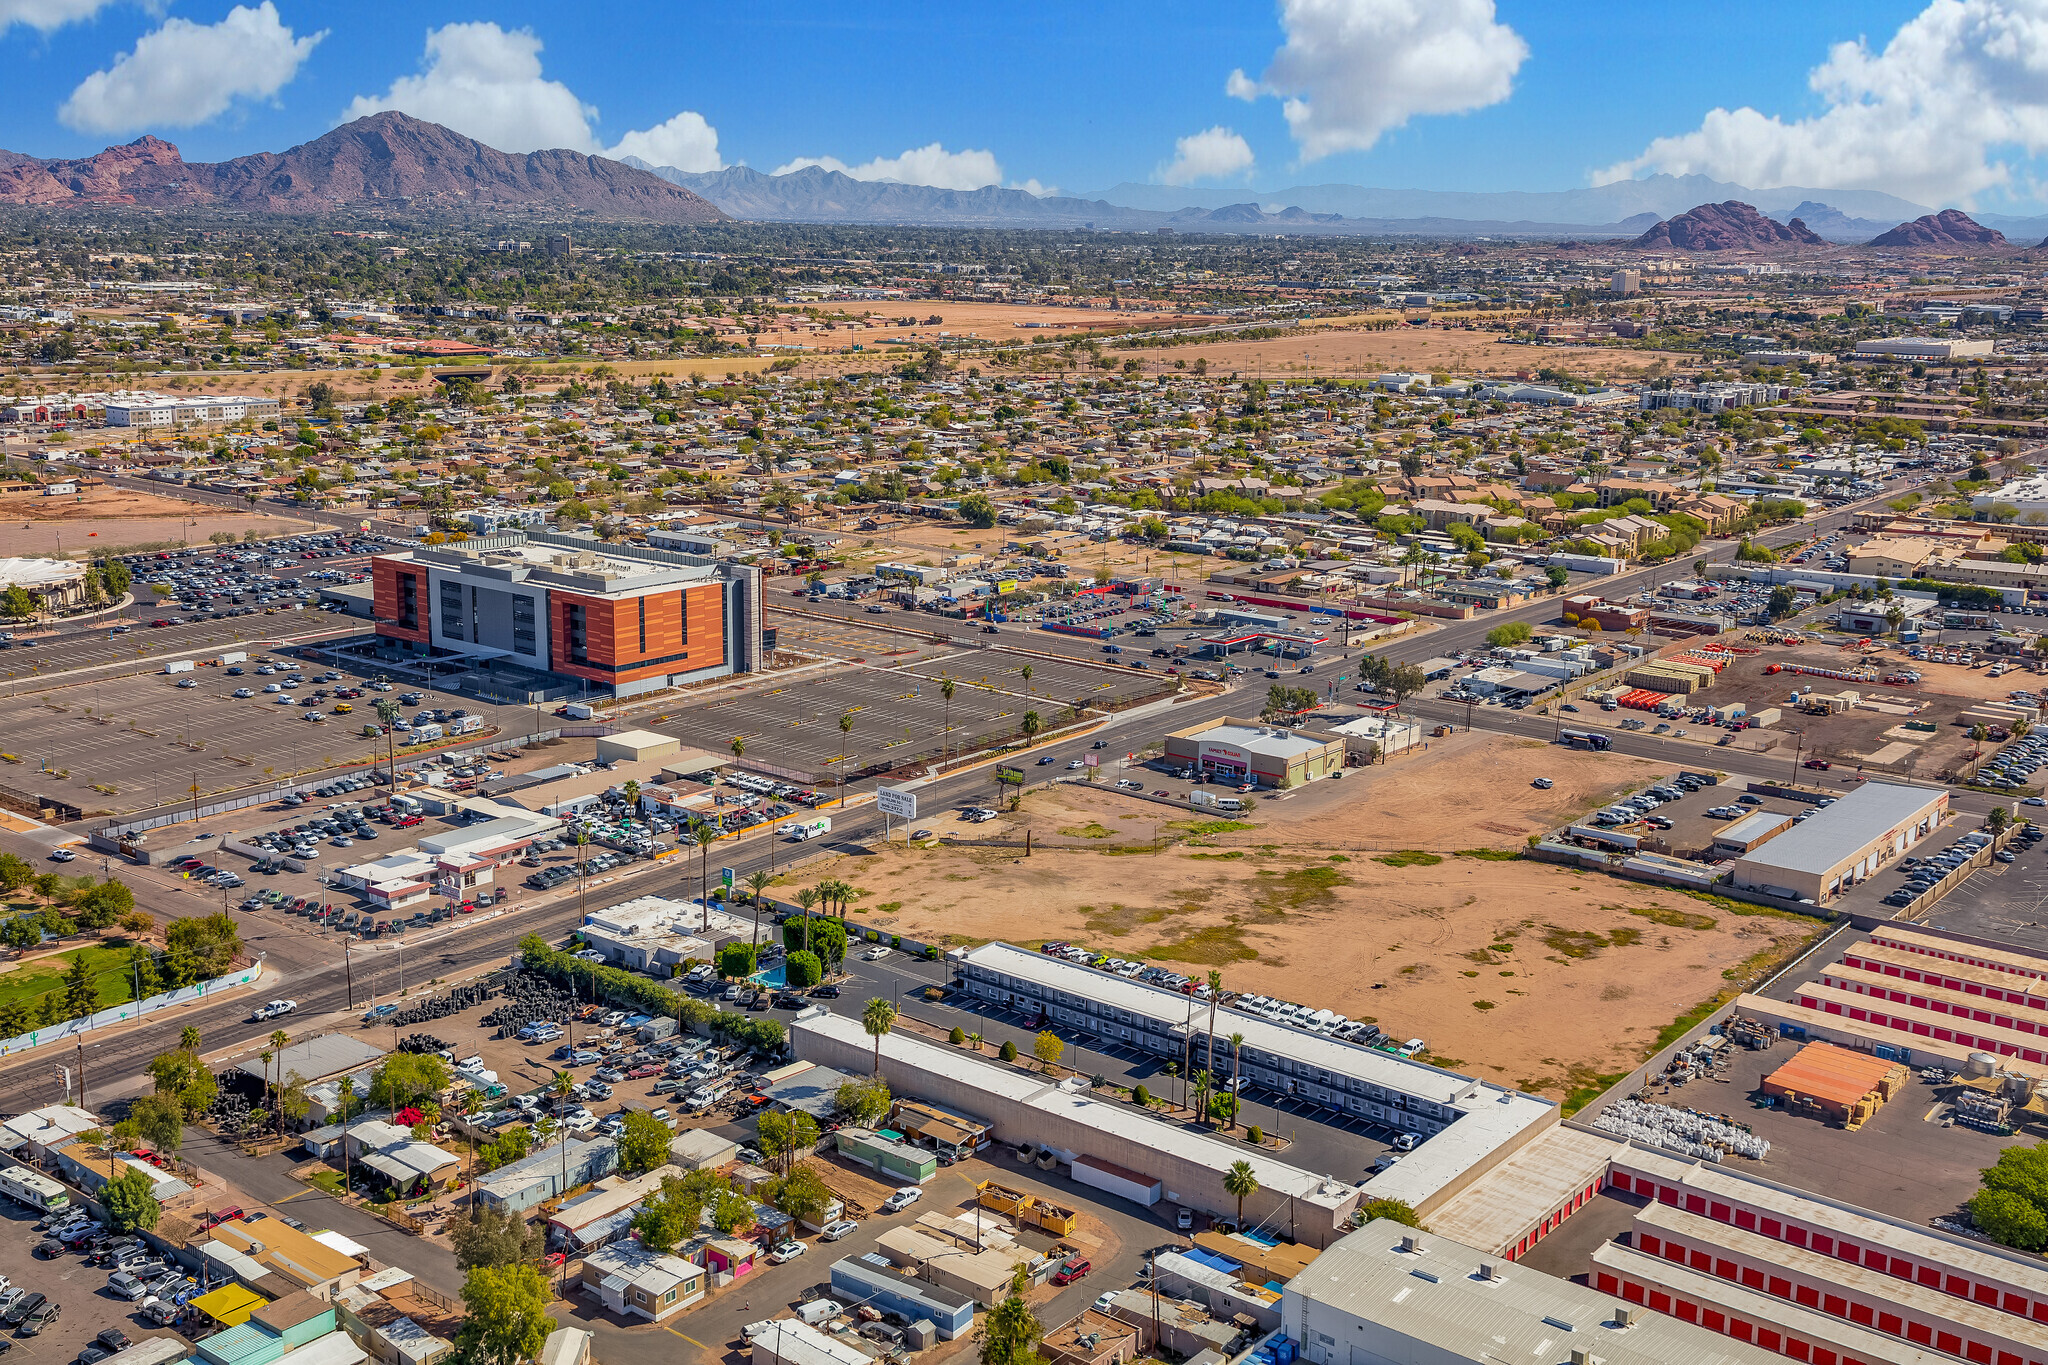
[1732,226]
[1950,227]
[386,159]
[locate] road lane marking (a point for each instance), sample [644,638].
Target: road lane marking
[686,1337]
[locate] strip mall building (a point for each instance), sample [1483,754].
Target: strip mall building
[620,619]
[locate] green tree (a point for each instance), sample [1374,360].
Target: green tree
[866,1101]
[102,906]
[730,1212]
[15,872]
[1388,1208]
[159,1122]
[1509,634]
[507,1320]
[22,932]
[674,1212]
[482,1236]
[802,970]
[877,1018]
[18,603]
[643,1142]
[1011,1333]
[803,1196]
[131,1202]
[976,510]
[783,1138]
[737,960]
[1240,1182]
[81,991]
[1008,1051]
[2010,1219]
[408,1079]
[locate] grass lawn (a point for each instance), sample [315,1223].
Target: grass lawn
[108,965]
[329,1181]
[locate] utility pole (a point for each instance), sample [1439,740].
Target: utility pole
[81,1071]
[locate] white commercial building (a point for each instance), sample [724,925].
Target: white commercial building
[1844,844]
[1467,1124]
[2029,496]
[1389,1295]
[1923,348]
[159,410]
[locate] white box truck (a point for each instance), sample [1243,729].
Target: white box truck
[577,710]
[424,734]
[468,725]
[178,666]
[800,830]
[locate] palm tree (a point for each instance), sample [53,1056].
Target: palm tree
[1236,1076]
[1215,989]
[976,1039]
[757,882]
[1204,1083]
[706,835]
[876,1020]
[266,1055]
[806,900]
[946,740]
[1240,1182]
[188,1039]
[347,1090]
[560,1087]
[1025,673]
[279,1041]
[1978,734]
[1033,723]
[739,746]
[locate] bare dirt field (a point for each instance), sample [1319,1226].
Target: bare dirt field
[1368,353]
[1349,899]
[112,519]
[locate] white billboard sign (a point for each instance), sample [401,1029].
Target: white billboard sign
[896,801]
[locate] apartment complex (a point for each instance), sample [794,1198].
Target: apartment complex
[620,619]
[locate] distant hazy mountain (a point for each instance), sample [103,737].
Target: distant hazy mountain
[1663,195]
[1825,220]
[815,195]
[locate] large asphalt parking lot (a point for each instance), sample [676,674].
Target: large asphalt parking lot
[149,740]
[900,712]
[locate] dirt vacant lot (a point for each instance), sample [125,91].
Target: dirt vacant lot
[111,519]
[1391,895]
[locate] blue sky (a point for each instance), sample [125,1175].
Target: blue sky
[1447,94]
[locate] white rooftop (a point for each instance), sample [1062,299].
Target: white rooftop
[1433,1296]
[1833,834]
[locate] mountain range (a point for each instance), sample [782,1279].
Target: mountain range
[389,161]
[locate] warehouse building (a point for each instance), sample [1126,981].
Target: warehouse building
[563,612]
[1270,755]
[1112,1147]
[1845,843]
[1388,1293]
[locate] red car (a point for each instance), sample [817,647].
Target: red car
[1820,763]
[1073,1269]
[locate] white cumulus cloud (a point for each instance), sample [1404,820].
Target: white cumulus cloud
[1212,154]
[1928,116]
[486,82]
[1031,186]
[930,164]
[185,73]
[685,142]
[46,16]
[1353,70]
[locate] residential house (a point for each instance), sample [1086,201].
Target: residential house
[637,1281]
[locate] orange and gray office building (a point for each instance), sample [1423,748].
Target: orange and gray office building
[563,612]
